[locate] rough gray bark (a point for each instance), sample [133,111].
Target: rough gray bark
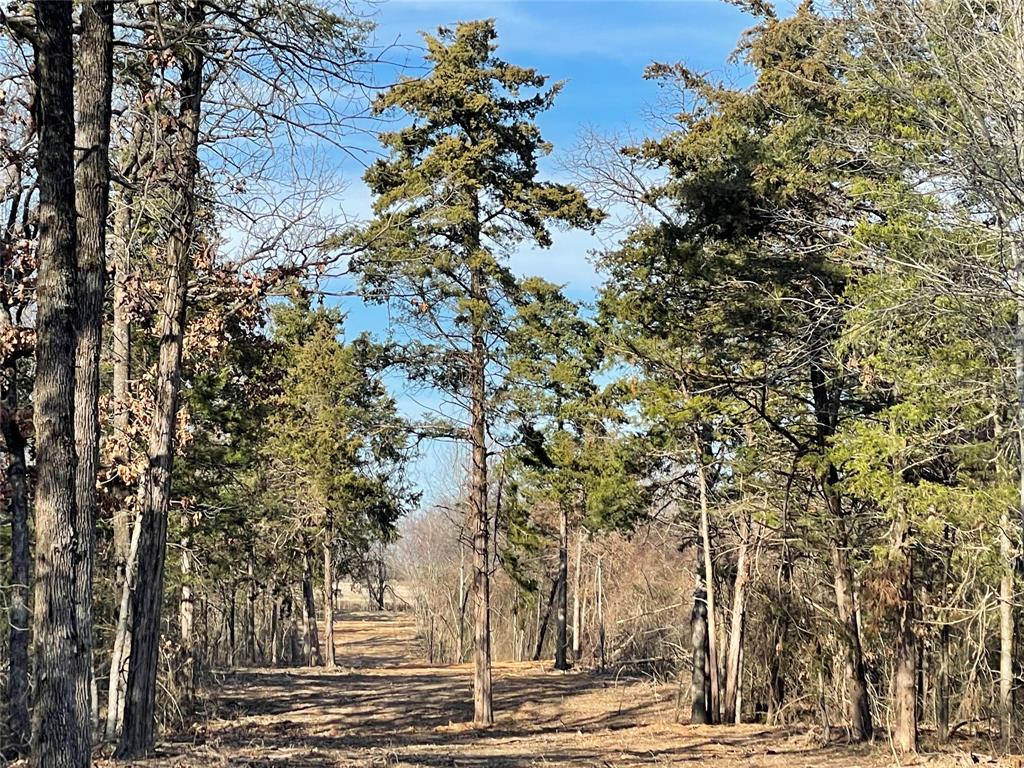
[858,705]
[155,486]
[229,617]
[18,617]
[59,642]
[780,626]
[700,712]
[942,682]
[543,619]
[942,687]
[92,192]
[118,679]
[251,644]
[276,631]
[310,639]
[124,521]
[292,639]
[460,641]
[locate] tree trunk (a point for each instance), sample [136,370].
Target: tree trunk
[117,683]
[733,669]
[859,709]
[123,532]
[18,617]
[942,687]
[562,615]
[859,706]
[311,641]
[483,713]
[1012,531]
[1006,628]
[463,597]
[294,651]
[905,688]
[780,627]
[92,190]
[155,487]
[251,649]
[709,579]
[186,613]
[276,633]
[120,340]
[543,620]
[329,659]
[700,713]
[600,616]
[230,615]
[59,722]
[577,604]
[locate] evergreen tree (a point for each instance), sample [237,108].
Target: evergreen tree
[335,443]
[457,190]
[730,300]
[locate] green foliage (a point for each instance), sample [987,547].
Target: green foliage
[457,190]
[335,440]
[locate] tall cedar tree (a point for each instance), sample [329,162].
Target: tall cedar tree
[568,457]
[741,281]
[456,192]
[336,444]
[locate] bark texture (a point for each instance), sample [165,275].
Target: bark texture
[59,641]
[18,618]
[155,487]
[311,641]
[483,713]
[700,713]
[577,603]
[92,192]
[858,705]
[120,342]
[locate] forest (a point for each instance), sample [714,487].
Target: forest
[293,481]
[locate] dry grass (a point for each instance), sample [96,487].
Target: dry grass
[382,707]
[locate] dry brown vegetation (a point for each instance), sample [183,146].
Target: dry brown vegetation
[384,707]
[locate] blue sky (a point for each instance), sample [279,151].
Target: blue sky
[600,49]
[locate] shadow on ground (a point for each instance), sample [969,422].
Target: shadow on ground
[384,707]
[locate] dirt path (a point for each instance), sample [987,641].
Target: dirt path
[382,707]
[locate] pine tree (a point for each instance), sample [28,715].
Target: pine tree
[458,189]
